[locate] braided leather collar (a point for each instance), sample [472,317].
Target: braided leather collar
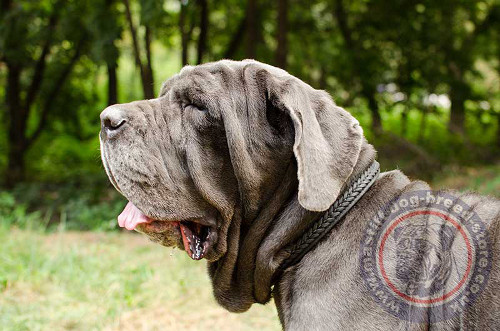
[331,217]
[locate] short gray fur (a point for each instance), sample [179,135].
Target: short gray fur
[260,157]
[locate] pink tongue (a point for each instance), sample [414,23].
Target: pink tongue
[131,216]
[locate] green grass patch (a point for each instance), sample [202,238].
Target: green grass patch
[52,278]
[108,281]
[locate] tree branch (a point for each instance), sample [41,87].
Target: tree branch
[5,5]
[184,37]
[135,42]
[147,42]
[492,17]
[40,65]
[133,32]
[148,80]
[202,39]
[55,91]
[368,91]
[252,29]
[341,16]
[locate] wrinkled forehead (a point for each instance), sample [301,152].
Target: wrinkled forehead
[214,77]
[202,78]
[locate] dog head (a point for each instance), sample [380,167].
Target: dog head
[217,142]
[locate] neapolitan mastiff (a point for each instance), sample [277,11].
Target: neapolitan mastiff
[237,163]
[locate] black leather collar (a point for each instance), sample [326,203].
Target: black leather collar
[331,217]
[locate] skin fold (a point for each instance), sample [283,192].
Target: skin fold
[257,155]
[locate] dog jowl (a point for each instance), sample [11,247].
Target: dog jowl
[235,161]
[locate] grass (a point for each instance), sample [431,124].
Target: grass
[108,281]
[68,280]
[485,180]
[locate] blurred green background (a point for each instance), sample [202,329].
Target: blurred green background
[422,77]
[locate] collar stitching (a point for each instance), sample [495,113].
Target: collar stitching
[331,217]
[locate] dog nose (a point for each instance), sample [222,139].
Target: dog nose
[112,120]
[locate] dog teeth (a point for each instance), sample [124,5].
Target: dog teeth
[195,240]
[198,248]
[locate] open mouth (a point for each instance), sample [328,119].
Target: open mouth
[197,238]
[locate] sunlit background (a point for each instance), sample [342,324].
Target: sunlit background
[422,77]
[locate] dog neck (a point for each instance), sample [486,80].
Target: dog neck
[289,224]
[241,279]
[332,216]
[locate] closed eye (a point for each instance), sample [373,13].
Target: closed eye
[192,106]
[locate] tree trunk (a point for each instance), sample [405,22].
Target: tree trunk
[17,127]
[146,74]
[457,118]
[457,112]
[354,50]
[5,5]
[423,125]
[148,70]
[252,30]
[52,95]
[19,110]
[112,84]
[282,48]
[202,39]
[111,53]
[184,34]
[374,110]
[498,130]
[16,164]
[322,78]
[404,122]
[135,42]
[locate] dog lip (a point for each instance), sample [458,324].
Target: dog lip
[200,220]
[197,235]
[107,167]
[156,226]
[197,244]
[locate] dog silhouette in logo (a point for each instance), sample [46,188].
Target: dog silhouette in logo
[424,258]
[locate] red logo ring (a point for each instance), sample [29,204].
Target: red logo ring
[446,295]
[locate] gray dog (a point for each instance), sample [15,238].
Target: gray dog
[235,161]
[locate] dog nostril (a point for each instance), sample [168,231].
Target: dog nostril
[113,120]
[113,125]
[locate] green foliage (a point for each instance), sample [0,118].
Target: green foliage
[374,57]
[391,58]
[14,213]
[86,204]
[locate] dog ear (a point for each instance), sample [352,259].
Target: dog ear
[327,139]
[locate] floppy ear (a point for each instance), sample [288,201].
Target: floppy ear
[327,139]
